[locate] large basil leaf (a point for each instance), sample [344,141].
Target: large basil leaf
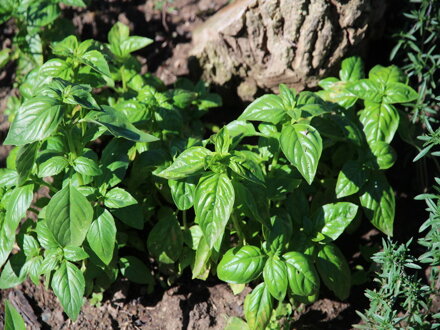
[350,179]
[35,120]
[302,146]
[241,265]
[384,155]
[378,202]
[17,204]
[165,241]
[68,284]
[334,270]
[267,108]
[200,267]
[386,75]
[380,121]
[117,198]
[213,202]
[302,275]
[135,270]
[399,93]
[52,166]
[96,61]
[275,277]
[352,69]
[258,307]
[102,235]
[8,178]
[368,90]
[117,123]
[188,163]
[331,220]
[182,192]
[68,216]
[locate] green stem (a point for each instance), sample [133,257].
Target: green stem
[236,222]
[185,224]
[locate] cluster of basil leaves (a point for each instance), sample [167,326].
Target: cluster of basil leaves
[223,205]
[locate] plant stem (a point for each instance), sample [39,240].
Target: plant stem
[185,224]
[236,222]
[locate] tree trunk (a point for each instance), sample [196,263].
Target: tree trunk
[262,43]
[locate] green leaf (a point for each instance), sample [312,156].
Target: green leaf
[288,96]
[387,75]
[52,166]
[13,319]
[45,236]
[368,90]
[131,215]
[399,93]
[86,166]
[135,270]
[258,307]
[31,248]
[68,216]
[118,125]
[8,178]
[102,235]
[334,270]
[380,122]
[25,161]
[222,141]
[275,277]
[35,120]
[56,68]
[117,198]
[182,192]
[350,179]
[17,204]
[74,253]
[165,241]
[279,233]
[235,323]
[200,267]
[267,108]
[65,47]
[74,3]
[68,285]
[133,44]
[213,203]
[352,69]
[331,220]
[379,204]
[302,145]
[188,163]
[13,272]
[302,275]
[241,265]
[246,165]
[96,61]
[384,155]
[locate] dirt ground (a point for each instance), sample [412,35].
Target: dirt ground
[188,304]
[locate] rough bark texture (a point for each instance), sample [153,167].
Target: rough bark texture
[262,43]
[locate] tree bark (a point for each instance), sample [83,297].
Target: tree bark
[258,44]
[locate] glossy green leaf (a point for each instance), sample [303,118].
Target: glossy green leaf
[117,198]
[275,277]
[165,240]
[65,47]
[102,235]
[279,233]
[118,125]
[45,236]
[189,162]
[16,207]
[387,75]
[74,253]
[380,122]
[25,161]
[241,265]
[213,203]
[68,284]
[31,248]
[96,61]
[302,145]
[302,275]
[334,270]
[350,179]
[201,265]
[52,166]
[379,204]
[331,220]
[86,166]
[352,69]
[134,43]
[13,272]
[267,108]
[12,318]
[368,90]
[245,164]
[8,178]
[399,93]
[35,120]
[68,216]
[258,307]
[182,192]
[384,155]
